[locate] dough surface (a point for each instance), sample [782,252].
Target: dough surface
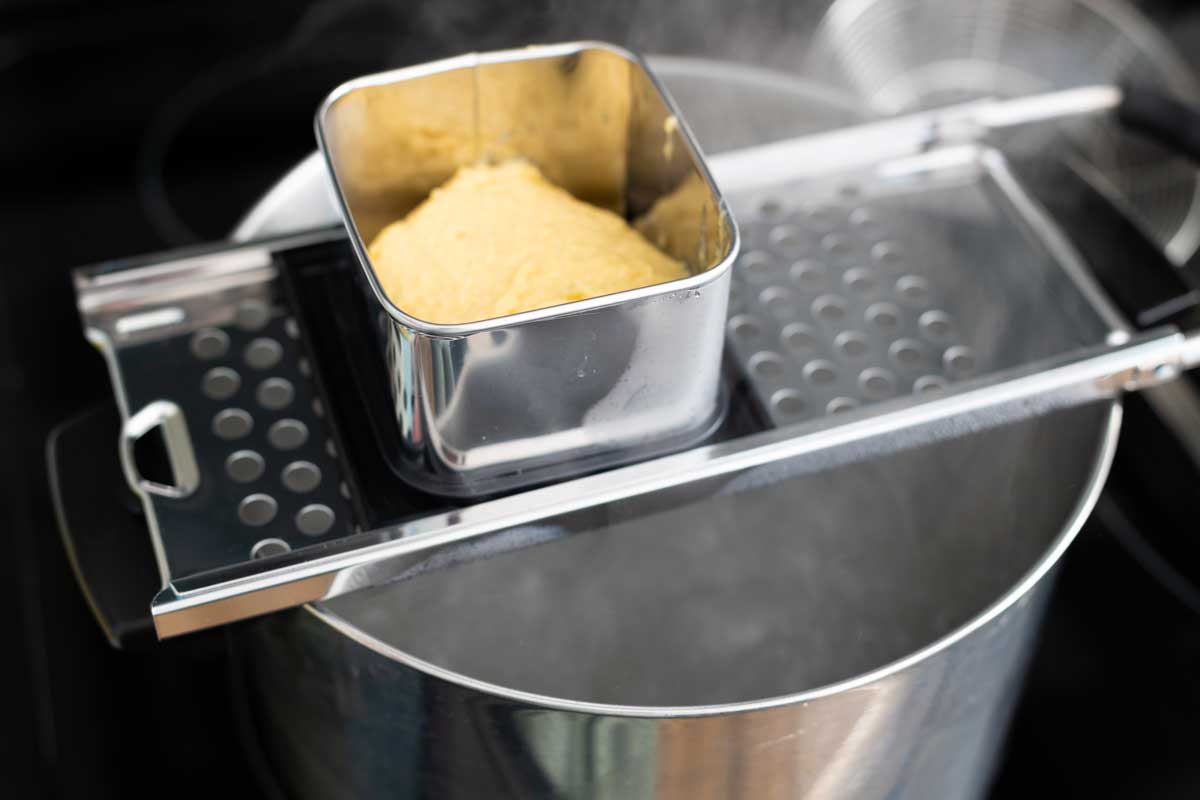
[569,116]
[501,239]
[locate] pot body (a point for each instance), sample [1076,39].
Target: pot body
[824,629]
[843,630]
[338,719]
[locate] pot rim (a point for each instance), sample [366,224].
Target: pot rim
[304,180]
[1090,494]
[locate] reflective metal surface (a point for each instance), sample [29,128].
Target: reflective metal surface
[483,530]
[889,608]
[167,327]
[901,56]
[698,647]
[168,418]
[1026,318]
[864,280]
[497,404]
[885,629]
[971,255]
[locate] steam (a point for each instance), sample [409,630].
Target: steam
[770,32]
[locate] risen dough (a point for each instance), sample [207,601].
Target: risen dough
[497,240]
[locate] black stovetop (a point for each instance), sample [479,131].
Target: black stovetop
[133,126]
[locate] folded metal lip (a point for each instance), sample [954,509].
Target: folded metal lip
[692,283]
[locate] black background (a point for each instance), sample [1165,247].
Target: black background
[129,127]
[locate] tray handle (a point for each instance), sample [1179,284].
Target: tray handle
[167,417]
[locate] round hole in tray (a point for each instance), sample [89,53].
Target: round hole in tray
[877,383]
[265,548]
[263,353]
[778,301]
[287,434]
[315,519]
[837,245]
[936,324]
[232,423]
[252,315]
[209,343]
[907,353]
[787,402]
[756,265]
[798,337]
[913,290]
[257,510]
[888,254]
[852,344]
[840,405]
[244,466]
[959,359]
[820,372]
[883,317]
[928,383]
[221,383]
[829,308]
[809,275]
[787,237]
[274,394]
[766,364]
[301,477]
[745,327]
[860,280]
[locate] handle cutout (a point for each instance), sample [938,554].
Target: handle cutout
[168,455]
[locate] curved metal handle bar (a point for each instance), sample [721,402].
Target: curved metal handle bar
[168,417]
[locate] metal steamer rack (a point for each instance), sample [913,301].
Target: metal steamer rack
[896,286]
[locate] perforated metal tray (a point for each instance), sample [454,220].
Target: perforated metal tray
[989,316]
[895,278]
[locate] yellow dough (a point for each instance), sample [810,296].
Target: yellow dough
[574,124]
[497,240]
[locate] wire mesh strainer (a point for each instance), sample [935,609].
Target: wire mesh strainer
[902,56]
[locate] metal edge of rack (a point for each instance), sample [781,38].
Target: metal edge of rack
[213,598]
[895,137]
[221,596]
[119,286]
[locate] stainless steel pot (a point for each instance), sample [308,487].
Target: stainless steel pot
[706,649]
[852,627]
